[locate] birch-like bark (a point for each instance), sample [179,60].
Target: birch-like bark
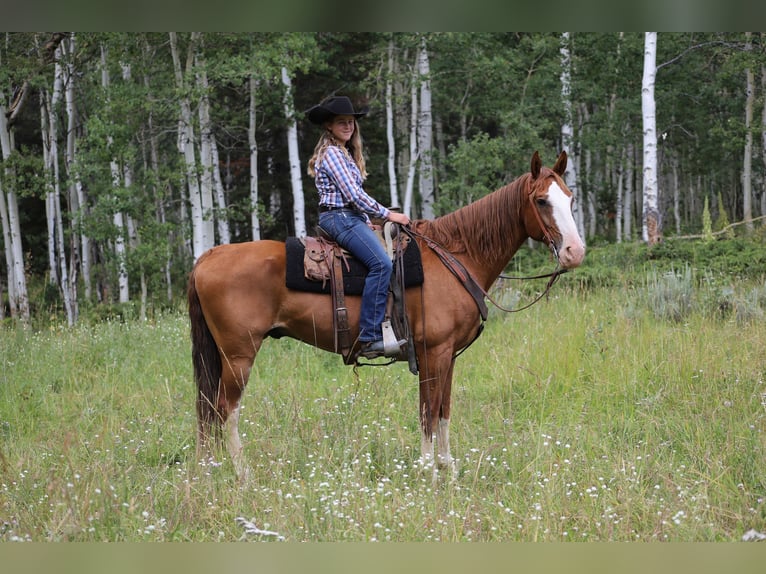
[200,236]
[7,242]
[651,221]
[118,219]
[619,198]
[255,221]
[81,245]
[567,130]
[408,188]
[425,135]
[392,184]
[18,297]
[299,210]
[747,163]
[50,211]
[54,177]
[224,232]
[210,185]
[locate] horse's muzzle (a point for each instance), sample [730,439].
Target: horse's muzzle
[571,253]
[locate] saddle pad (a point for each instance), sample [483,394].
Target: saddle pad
[353,278]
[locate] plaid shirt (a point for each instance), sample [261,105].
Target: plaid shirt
[339,183]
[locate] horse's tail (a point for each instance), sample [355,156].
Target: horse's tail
[207,368]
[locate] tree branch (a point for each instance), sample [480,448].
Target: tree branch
[47,56]
[722,230]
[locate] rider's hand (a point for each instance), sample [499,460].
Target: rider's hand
[400,218]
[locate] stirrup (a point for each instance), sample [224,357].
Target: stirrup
[391,345]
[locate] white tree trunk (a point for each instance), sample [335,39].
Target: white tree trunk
[567,130]
[9,215]
[50,210]
[651,220]
[275,198]
[747,167]
[54,177]
[392,184]
[17,282]
[299,210]
[254,219]
[224,233]
[620,197]
[77,202]
[118,219]
[18,296]
[208,163]
[408,188]
[200,235]
[425,135]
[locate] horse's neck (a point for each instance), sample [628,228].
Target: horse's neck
[486,234]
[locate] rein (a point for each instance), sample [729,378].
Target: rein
[472,286]
[554,276]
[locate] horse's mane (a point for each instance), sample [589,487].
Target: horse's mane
[483,228]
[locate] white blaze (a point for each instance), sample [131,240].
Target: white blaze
[572,249]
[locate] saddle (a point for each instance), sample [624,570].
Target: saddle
[329,267]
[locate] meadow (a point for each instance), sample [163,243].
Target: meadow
[595,415]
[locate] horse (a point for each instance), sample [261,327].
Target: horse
[237,298]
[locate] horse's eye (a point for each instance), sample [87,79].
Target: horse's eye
[541,201]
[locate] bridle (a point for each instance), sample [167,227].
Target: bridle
[553,275]
[543,227]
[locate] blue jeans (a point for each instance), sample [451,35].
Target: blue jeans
[350,230]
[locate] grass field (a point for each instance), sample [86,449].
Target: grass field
[583,418]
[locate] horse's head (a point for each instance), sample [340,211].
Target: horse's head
[548,212]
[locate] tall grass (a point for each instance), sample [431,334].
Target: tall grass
[581,418]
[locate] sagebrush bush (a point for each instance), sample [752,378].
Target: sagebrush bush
[670,295]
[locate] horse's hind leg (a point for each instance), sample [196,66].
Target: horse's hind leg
[234,378]
[234,444]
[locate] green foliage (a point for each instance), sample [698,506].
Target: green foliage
[722,221]
[475,168]
[627,264]
[707,224]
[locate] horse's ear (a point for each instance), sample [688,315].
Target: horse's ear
[561,164]
[536,165]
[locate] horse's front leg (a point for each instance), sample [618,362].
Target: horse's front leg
[435,395]
[444,459]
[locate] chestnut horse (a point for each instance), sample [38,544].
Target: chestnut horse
[237,298]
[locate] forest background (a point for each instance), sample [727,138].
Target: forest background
[126,155]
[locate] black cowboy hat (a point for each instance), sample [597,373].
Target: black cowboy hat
[333,106]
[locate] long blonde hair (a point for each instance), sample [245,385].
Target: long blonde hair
[353,148]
